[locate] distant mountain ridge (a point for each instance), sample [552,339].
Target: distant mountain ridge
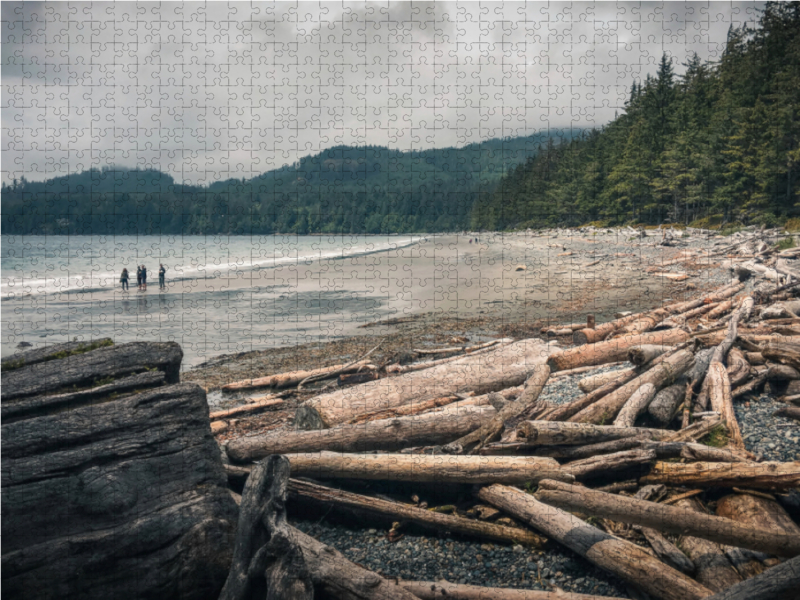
[344,189]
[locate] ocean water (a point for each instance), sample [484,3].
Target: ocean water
[224,294]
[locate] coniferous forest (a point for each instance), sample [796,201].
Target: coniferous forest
[718,144]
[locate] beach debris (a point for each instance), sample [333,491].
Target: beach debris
[294,378]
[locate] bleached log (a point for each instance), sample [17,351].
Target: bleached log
[719,392]
[635,405]
[622,558]
[591,383]
[565,411]
[269,402]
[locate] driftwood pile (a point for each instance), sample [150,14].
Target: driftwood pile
[645,475]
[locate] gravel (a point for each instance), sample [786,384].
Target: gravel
[431,558]
[772,438]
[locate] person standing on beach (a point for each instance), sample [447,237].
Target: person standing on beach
[124,279]
[162,273]
[144,277]
[139,277]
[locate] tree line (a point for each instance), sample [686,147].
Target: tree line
[717,145]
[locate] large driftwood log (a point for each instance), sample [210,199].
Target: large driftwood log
[589,450]
[777,583]
[635,405]
[593,382]
[624,559]
[703,453]
[668,519]
[712,567]
[665,373]
[767,475]
[501,368]
[386,434]
[124,497]
[598,333]
[613,350]
[292,378]
[87,369]
[302,490]
[641,355]
[442,590]
[274,560]
[526,402]
[427,468]
[665,405]
[719,393]
[596,466]
[565,411]
[552,433]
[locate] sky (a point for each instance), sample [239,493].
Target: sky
[211,91]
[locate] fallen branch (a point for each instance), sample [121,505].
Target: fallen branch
[264,403]
[442,590]
[292,378]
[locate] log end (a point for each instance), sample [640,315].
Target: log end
[581,337]
[307,418]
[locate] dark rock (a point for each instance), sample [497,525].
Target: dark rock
[108,496]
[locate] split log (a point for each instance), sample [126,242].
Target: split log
[268,402]
[790,412]
[635,405]
[778,583]
[503,367]
[719,392]
[712,567]
[739,368]
[608,463]
[385,434]
[766,475]
[274,560]
[591,383]
[86,369]
[613,350]
[641,355]
[292,378]
[552,433]
[666,403]
[667,519]
[426,468]
[442,590]
[328,497]
[620,557]
[662,374]
[526,402]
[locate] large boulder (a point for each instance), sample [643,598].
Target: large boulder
[113,486]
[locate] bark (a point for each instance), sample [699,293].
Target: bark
[635,405]
[385,434]
[662,374]
[777,583]
[622,558]
[503,367]
[719,391]
[551,433]
[25,408]
[712,567]
[302,490]
[426,468]
[244,409]
[615,350]
[667,519]
[442,590]
[767,475]
[665,405]
[641,355]
[526,402]
[608,463]
[738,367]
[274,560]
[593,382]
[84,370]
[790,412]
[292,378]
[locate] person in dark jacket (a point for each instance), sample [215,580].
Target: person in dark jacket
[124,279]
[139,277]
[144,277]
[162,273]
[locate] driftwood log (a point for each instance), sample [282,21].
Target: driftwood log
[668,519]
[292,378]
[442,590]
[592,382]
[665,405]
[553,433]
[777,583]
[113,491]
[596,466]
[274,560]
[624,559]
[767,475]
[507,366]
[719,393]
[635,405]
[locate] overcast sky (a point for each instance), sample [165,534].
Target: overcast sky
[209,91]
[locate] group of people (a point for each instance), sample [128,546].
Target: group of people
[141,277]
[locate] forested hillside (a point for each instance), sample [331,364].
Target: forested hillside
[720,144]
[340,190]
